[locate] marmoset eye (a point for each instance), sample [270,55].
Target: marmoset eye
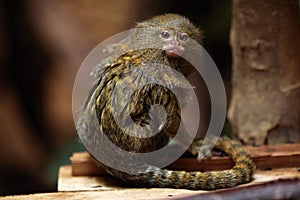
[165,34]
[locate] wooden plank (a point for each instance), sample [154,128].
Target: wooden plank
[265,157]
[125,194]
[67,182]
[281,189]
[261,177]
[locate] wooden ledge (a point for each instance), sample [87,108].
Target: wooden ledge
[264,157]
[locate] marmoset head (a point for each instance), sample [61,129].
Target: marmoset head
[171,33]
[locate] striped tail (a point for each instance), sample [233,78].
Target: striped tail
[155,177]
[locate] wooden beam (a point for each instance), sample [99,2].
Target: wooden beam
[265,157]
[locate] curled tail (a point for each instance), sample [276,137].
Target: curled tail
[155,177]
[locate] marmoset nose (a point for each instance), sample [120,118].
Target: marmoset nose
[175,42]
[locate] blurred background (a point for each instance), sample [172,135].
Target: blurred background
[42,44]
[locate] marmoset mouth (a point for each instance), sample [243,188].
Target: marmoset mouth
[173,52]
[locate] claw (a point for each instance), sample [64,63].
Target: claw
[204,152]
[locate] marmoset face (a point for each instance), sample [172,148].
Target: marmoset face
[171,33]
[174,42]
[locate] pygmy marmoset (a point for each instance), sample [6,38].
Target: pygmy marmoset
[162,40]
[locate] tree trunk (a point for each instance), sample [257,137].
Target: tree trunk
[265,102]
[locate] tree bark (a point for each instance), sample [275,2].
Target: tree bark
[265,102]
